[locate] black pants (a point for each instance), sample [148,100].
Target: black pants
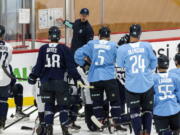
[169,122]
[111,89]
[56,90]
[140,100]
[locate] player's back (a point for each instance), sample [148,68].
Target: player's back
[139,61]
[175,71]
[103,58]
[5,59]
[52,62]
[165,98]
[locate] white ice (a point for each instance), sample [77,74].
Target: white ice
[16,129]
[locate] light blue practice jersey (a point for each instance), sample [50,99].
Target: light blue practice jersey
[176,71]
[167,94]
[102,54]
[139,61]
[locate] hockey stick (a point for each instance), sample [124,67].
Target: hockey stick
[84,86]
[11,76]
[7,73]
[97,122]
[11,124]
[30,128]
[100,125]
[12,115]
[26,128]
[23,79]
[108,125]
[87,86]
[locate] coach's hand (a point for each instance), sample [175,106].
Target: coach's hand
[32,79]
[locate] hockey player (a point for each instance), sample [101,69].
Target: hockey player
[177,63]
[16,92]
[53,61]
[178,48]
[5,59]
[82,33]
[138,60]
[121,73]
[102,55]
[166,99]
[82,30]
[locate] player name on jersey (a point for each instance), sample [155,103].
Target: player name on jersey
[165,80]
[98,46]
[3,48]
[136,50]
[53,50]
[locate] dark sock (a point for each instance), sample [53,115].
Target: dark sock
[41,117]
[136,120]
[3,112]
[147,121]
[18,95]
[64,116]
[49,113]
[115,112]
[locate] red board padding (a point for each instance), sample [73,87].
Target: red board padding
[25,51]
[150,40]
[162,39]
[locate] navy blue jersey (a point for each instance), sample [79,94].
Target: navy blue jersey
[53,61]
[82,33]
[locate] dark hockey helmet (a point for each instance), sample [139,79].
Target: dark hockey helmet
[135,30]
[177,58]
[84,11]
[2,30]
[163,62]
[124,40]
[104,32]
[54,34]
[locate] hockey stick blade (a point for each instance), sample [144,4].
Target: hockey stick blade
[18,120]
[26,128]
[96,122]
[12,115]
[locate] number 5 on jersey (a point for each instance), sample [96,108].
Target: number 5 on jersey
[52,61]
[100,60]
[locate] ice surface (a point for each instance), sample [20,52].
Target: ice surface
[16,129]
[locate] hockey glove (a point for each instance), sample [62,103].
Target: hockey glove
[124,40]
[32,79]
[80,84]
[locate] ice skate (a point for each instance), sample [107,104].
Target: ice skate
[65,130]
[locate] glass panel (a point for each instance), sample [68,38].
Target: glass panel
[15,33]
[47,11]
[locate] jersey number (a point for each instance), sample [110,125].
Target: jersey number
[138,63]
[100,58]
[164,89]
[53,61]
[3,57]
